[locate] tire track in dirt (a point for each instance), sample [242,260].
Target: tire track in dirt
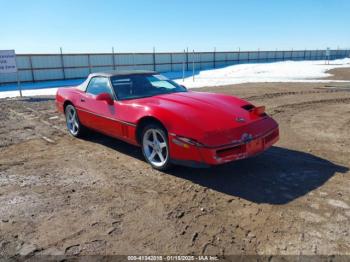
[280,94]
[37,116]
[34,121]
[304,105]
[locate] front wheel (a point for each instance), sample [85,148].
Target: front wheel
[155,147]
[73,125]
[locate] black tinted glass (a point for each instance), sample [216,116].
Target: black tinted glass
[99,85]
[137,86]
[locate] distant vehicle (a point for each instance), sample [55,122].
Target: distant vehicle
[171,124]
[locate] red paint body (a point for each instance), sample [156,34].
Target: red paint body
[217,122]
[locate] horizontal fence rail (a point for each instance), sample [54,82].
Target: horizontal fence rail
[45,67]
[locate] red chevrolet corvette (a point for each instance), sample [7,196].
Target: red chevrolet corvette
[170,123]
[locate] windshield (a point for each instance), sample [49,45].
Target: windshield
[137,86]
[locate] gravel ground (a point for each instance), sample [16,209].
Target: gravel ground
[63,196]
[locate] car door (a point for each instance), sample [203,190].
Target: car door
[98,114]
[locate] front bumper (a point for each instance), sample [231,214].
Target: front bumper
[203,156]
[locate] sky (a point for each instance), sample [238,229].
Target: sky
[43,26]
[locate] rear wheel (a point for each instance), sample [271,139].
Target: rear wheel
[73,125]
[155,147]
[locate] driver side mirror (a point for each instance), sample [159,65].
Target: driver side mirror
[105,97]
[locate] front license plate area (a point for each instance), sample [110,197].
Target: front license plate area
[254,146]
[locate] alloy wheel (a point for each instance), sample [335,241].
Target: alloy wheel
[72,120]
[155,147]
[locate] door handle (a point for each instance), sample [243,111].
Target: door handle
[82,99]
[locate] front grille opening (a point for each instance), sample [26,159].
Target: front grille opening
[230,151]
[271,136]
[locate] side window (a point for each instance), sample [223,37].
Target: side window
[122,86]
[99,85]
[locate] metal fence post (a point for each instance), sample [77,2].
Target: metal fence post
[171,62]
[276,55]
[183,66]
[31,67]
[238,55]
[113,58]
[337,54]
[187,59]
[62,63]
[89,63]
[116,61]
[214,57]
[154,59]
[19,83]
[193,66]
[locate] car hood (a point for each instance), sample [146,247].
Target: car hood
[206,110]
[209,118]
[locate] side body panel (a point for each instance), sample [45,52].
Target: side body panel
[97,115]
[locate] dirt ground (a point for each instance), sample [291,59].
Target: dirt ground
[63,196]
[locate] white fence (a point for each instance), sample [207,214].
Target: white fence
[42,67]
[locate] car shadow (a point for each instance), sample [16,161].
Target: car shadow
[277,176]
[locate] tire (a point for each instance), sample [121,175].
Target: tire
[155,147]
[72,121]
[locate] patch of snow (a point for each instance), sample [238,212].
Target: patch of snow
[34,92]
[286,71]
